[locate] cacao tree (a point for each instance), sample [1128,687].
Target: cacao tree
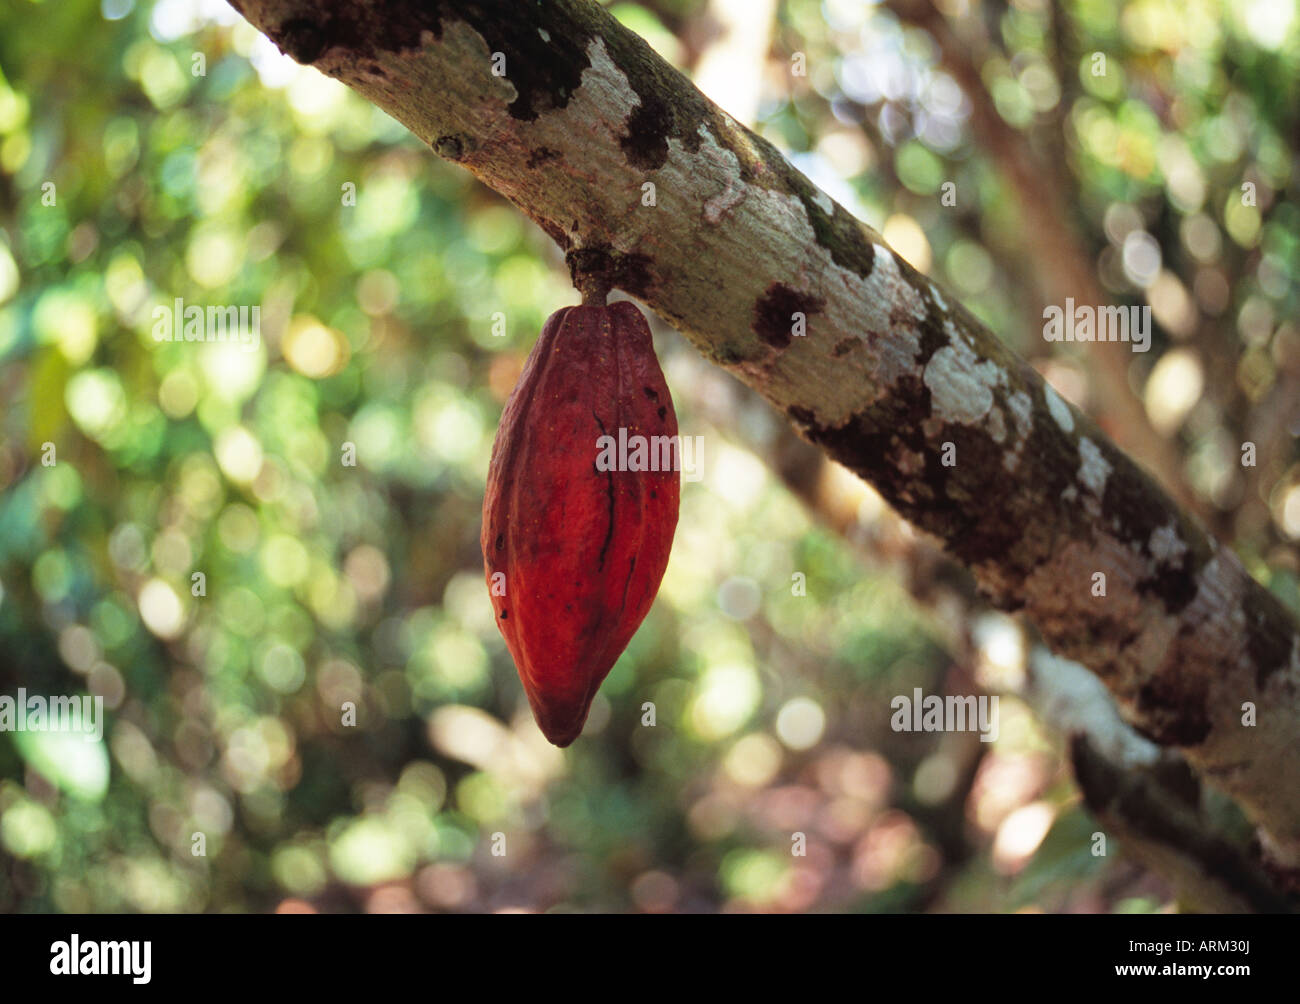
[569,115]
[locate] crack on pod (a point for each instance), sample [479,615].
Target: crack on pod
[609,491]
[627,583]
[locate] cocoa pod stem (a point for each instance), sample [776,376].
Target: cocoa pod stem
[592,270]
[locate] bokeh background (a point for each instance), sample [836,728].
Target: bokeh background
[327,583]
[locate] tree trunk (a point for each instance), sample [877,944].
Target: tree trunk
[571,117]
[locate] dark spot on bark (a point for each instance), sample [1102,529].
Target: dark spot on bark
[665,110]
[1090,633]
[646,142]
[1270,637]
[847,240]
[1172,584]
[358,30]
[968,494]
[931,327]
[632,275]
[1171,714]
[451,146]
[986,517]
[301,40]
[844,346]
[885,445]
[543,73]
[629,272]
[933,336]
[377,71]
[1130,636]
[773,313]
[1134,502]
[546,74]
[801,416]
[540,156]
[1136,508]
[1055,459]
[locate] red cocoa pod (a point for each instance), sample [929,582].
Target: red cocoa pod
[582,549]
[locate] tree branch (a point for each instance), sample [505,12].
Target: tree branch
[1147,797]
[890,371]
[1132,786]
[1053,249]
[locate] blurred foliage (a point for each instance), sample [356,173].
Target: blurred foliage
[324,583]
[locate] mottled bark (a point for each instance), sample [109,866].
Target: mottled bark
[891,369]
[1053,250]
[1143,794]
